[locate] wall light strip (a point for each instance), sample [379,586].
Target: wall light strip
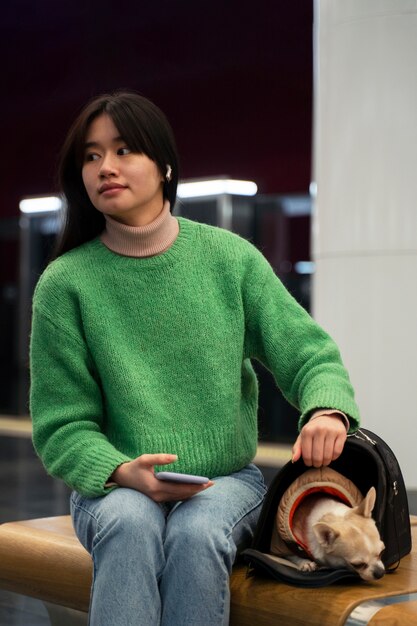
[194,189]
[46,204]
[305,267]
[202,188]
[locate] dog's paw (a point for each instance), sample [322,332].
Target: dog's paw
[308,566]
[304,565]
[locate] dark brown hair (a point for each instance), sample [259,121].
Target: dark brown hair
[143,127]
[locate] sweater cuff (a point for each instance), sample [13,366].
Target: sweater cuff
[110,482]
[329,412]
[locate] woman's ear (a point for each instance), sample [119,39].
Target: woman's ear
[168,175]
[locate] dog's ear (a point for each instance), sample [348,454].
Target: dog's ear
[325,534]
[366,507]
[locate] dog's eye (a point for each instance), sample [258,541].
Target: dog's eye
[360,565]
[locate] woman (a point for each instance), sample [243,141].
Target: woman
[143,330]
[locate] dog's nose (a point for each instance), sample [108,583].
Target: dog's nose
[378,572]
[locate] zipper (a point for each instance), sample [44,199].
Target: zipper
[363,438]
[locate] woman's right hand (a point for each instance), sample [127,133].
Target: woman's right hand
[139,474]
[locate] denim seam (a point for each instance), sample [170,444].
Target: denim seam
[258,503]
[228,536]
[89,513]
[81,508]
[242,516]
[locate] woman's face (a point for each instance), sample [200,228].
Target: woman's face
[125,185]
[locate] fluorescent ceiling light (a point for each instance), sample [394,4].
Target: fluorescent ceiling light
[215,187]
[46,204]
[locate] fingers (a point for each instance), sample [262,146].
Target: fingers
[149,460]
[296,450]
[320,442]
[339,445]
[164,491]
[142,478]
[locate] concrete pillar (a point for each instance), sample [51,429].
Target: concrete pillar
[365,210]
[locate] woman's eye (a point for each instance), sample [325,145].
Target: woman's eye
[123,151]
[91,156]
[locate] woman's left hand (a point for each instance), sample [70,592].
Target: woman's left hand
[320,441]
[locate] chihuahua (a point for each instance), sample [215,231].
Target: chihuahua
[336,535]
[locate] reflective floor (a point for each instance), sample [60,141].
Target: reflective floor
[26,492]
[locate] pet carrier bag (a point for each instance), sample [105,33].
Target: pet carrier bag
[366,461]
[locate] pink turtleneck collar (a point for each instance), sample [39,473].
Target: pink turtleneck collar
[141,241]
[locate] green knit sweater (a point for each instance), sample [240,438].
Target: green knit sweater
[150,355]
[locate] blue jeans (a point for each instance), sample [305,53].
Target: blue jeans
[167,564]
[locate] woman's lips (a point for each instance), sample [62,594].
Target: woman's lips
[111,190]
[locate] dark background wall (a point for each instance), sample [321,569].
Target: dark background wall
[233,77]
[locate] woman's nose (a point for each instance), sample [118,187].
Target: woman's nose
[108,166]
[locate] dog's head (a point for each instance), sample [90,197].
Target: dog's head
[353,540]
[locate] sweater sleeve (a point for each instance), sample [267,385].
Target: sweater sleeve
[65,399]
[304,360]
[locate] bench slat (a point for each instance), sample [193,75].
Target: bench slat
[43,558]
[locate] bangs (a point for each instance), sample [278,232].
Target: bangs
[139,137]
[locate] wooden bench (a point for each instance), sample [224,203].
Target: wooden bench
[43,558]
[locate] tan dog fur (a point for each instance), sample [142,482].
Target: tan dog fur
[340,536]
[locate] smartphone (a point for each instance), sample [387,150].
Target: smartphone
[182,478]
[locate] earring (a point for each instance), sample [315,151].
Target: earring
[169,173]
